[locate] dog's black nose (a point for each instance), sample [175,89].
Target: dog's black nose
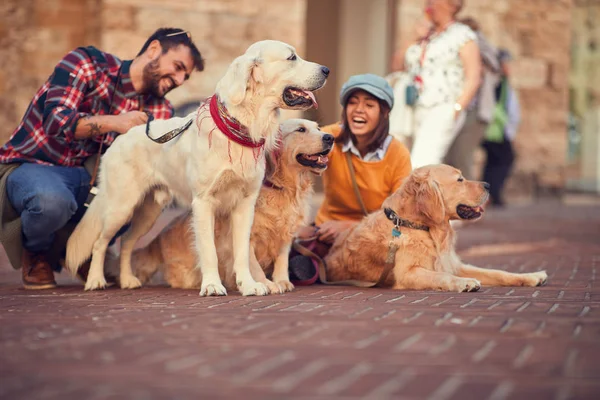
[325,70]
[328,139]
[486,186]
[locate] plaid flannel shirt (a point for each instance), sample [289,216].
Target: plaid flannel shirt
[82,84]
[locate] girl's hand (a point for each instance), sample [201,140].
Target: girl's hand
[330,230]
[305,232]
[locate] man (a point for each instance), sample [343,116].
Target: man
[501,133]
[48,164]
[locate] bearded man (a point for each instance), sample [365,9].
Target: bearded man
[48,165]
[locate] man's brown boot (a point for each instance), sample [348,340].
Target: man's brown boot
[37,272]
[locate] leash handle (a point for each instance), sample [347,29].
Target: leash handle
[172,134]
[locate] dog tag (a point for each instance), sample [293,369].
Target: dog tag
[396,232]
[391,255]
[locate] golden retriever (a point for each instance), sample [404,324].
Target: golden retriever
[202,168]
[423,255]
[281,207]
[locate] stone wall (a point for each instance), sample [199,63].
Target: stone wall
[537,32]
[35,34]
[222,30]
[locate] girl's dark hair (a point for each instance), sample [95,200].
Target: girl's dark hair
[381,130]
[172,37]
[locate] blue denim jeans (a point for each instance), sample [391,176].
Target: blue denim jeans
[47,197]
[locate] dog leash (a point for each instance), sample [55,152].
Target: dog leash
[172,134]
[389,262]
[322,267]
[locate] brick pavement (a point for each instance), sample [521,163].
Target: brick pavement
[328,342]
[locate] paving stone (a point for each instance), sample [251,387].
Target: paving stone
[325,342]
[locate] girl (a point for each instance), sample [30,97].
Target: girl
[365,159]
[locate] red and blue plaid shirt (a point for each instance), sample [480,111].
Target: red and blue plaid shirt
[82,84]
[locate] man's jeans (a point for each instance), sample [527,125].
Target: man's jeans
[47,197]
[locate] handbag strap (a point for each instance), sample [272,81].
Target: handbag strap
[354,184]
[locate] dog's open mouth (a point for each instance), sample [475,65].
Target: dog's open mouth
[295,97]
[467,212]
[317,160]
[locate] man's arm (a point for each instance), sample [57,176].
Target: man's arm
[73,77]
[514,114]
[92,125]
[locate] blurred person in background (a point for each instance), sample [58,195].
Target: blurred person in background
[501,132]
[445,67]
[47,165]
[365,158]
[402,115]
[480,110]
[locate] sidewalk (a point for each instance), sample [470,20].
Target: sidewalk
[327,342]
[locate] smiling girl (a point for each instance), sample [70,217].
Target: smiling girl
[380,163]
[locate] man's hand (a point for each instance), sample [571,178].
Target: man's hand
[330,230]
[124,122]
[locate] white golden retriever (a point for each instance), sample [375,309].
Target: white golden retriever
[282,206]
[202,168]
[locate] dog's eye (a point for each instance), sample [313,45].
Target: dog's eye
[461,179]
[292,57]
[301,129]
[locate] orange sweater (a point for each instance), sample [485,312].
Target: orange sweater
[376,180]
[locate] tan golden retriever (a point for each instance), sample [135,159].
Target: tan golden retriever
[425,259]
[282,207]
[203,169]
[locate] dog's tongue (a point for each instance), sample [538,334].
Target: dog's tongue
[312,98]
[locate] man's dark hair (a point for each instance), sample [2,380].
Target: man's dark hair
[172,37]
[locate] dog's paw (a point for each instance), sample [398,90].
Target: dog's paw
[129,282]
[212,289]
[285,286]
[467,285]
[253,289]
[95,283]
[536,278]
[273,287]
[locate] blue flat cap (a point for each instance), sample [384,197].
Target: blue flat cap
[370,83]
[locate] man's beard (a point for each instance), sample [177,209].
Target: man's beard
[151,79]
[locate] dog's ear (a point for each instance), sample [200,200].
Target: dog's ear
[428,197]
[392,201]
[236,81]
